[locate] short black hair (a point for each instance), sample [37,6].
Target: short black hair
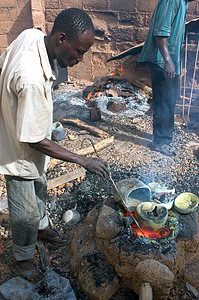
[72,21]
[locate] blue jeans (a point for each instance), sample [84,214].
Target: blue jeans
[165,93]
[27,209]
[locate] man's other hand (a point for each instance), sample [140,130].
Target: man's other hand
[169,69]
[97,166]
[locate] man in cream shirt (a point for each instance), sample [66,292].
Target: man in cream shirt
[27,75]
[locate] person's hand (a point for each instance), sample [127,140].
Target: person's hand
[169,69]
[97,166]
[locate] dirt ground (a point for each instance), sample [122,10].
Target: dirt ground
[130,155]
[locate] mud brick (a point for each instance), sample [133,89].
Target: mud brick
[141,5]
[95,114]
[64,4]
[95,5]
[116,106]
[127,5]
[51,14]
[51,4]
[36,5]
[4,40]
[8,3]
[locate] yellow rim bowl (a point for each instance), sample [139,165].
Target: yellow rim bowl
[186,203]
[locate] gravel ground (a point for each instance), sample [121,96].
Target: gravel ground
[131,155]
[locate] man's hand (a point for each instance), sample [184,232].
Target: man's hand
[97,166]
[169,69]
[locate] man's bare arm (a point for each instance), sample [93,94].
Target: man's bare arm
[169,68]
[52,149]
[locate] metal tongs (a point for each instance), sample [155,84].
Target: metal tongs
[113,182]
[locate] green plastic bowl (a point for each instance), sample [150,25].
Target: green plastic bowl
[186,203]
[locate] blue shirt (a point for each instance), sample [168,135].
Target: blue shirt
[168,20]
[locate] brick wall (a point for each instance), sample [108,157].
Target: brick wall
[119,25]
[15,16]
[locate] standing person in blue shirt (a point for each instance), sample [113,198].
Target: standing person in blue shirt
[162,51]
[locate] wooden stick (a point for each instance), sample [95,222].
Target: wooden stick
[85,126]
[66,178]
[196,61]
[98,146]
[185,74]
[146,292]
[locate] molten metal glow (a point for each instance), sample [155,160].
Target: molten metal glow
[149,232]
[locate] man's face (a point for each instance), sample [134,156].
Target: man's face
[70,52]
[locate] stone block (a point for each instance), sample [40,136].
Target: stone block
[101,5]
[156,274]
[126,18]
[136,20]
[140,35]
[127,5]
[116,106]
[95,114]
[5,27]
[8,3]
[50,14]
[108,224]
[38,19]
[36,5]
[3,40]
[106,17]
[51,4]
[10,15]
[22,3]
[141,5]
[64,4]
[122,34]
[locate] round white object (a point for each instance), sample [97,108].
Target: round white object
[71,217]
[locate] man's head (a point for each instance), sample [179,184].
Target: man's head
[73,34]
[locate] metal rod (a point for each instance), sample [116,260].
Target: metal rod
[185,74]
[193,80]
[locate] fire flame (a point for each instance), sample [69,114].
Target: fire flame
[148,232]
[119,72]
[89,96]
[98,91]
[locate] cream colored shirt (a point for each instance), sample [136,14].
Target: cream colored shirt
[26,105]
